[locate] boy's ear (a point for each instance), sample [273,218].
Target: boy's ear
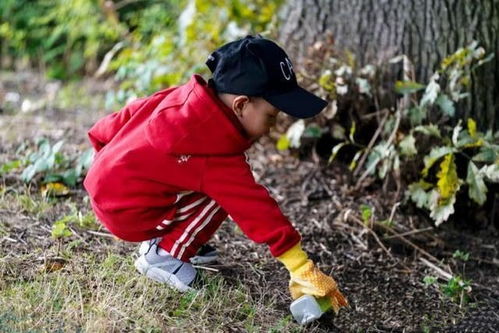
[239,103]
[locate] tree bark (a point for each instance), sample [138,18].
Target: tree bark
[424,30]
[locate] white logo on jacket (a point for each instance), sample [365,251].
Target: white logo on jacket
[183,159]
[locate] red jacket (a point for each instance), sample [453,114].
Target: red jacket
[179,139]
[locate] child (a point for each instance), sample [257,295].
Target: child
[169,168]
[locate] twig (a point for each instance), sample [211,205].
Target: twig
[100,234]
[408,233]
[9,239]
[206,268]
[408,242]
[443,274]
[371,143]
[358,241]
[358,221]
[392,213]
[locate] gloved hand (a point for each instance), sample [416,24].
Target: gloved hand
[307,279]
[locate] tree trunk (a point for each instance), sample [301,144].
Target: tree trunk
[424,30]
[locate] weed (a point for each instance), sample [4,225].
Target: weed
[458,254]
[32,205]
[458,289]
[429,280]
[366,213]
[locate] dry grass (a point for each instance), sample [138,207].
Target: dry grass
[87,283]
[103,293]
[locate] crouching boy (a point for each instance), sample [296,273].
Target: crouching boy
[170,167]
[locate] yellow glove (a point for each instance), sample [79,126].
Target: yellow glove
[307,279]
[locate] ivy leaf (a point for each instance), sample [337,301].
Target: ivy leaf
[417,114]
[448,181]
[325,81]
[477,189]
[408,87]
[430,130]
[364,87]
[295,132]
[446,105]
[465,140]
[312,131]
[338,132]
[353,163]
[387,162]
[283,142]
[491,172]
[417,193]
[408,146]
[438,212]
[472,127]
[431,91]
[335,151]
[433,156]
[455,133]
[486,154]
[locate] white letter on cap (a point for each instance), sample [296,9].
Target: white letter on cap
[287,76]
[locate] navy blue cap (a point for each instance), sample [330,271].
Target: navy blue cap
[256,66]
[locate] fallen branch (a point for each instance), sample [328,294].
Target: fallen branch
[358,221]
[408,242]
[206,268]
[408,233]
[443,274]
[96,233]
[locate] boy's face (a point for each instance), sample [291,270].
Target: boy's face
[256,115]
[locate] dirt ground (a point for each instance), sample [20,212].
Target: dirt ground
[380,270]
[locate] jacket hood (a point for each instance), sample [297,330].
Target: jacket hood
[191,120]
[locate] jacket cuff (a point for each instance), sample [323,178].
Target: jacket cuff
[293,258]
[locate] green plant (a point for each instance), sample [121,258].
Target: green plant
[464,256]
[62,38]
[366,212]
[49,161]
[60,228]
[457,289]
[153,57]
[429,280]
[420,127]
[9,166]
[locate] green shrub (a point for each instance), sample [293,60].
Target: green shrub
[418,132]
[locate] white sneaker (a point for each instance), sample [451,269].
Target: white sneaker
[160,266]
[205,255]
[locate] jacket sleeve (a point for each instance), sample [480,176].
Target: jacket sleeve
[229,181]
[106,128]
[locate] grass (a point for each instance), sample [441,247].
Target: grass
[87,284]
[23,200]
[82,283]
[91,293]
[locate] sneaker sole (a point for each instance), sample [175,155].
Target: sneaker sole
[159,275]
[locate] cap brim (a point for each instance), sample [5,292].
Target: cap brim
[298,103]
